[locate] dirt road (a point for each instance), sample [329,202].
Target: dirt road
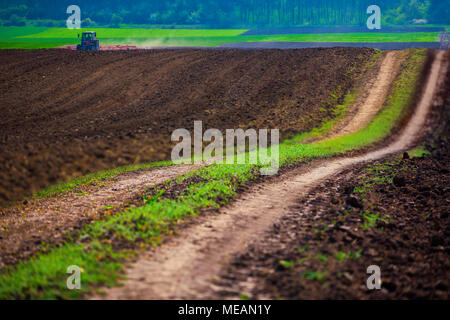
[185,267]
[48,220]
[68,113]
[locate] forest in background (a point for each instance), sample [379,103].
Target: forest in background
[223,14]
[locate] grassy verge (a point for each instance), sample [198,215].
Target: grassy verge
[103,244]
[37,37]
[339,111]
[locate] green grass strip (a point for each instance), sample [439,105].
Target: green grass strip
[418,152]
[103,244]
[84,181]
[327,125]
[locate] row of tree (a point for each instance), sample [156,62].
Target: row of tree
[228,13]
[304,12]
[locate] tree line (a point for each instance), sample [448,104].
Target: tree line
[225,13]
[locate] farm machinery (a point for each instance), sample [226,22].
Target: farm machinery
[445,40]
[89,41]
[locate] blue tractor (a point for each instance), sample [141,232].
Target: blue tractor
[89,41]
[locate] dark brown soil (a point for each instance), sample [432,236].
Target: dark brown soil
[67,113]
[409,241]
[309,30]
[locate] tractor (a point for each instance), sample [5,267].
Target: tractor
[89,41]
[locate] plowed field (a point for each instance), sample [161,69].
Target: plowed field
[68,113]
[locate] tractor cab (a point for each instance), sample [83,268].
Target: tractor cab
[89,41]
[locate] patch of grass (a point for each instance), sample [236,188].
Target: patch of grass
[356,255]
[37,38]
[374,59]
[45,277]
[101,245]
[379,174]
[353,37]
[327,125]
[244,297]
[287,264]
[133,33]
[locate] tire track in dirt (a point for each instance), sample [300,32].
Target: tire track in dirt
[69,113]
[378,91]
[185,267]
[49,219]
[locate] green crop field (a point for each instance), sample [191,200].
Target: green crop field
[37,37]
[42,277]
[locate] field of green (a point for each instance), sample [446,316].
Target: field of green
[41,37]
